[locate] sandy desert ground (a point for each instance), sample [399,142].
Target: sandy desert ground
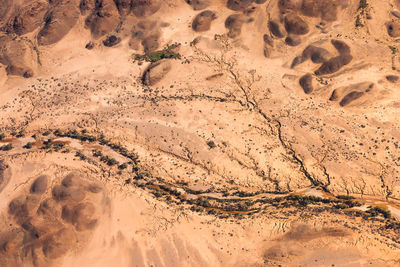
[199,133]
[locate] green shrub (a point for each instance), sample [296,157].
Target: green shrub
[58,146]
[211,144]
[80,155]
[363,4]
[7,147]
[158,55]
[20,134]
[123,166]
[46,133]
[375,211]
[97,153]
[28,145]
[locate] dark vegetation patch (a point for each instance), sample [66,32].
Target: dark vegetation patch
[166,53]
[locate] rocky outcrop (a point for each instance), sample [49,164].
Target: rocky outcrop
[59,20]
[202,22]
[27,18]
[103,19]
[17,56]
[156,72]
[144,8]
